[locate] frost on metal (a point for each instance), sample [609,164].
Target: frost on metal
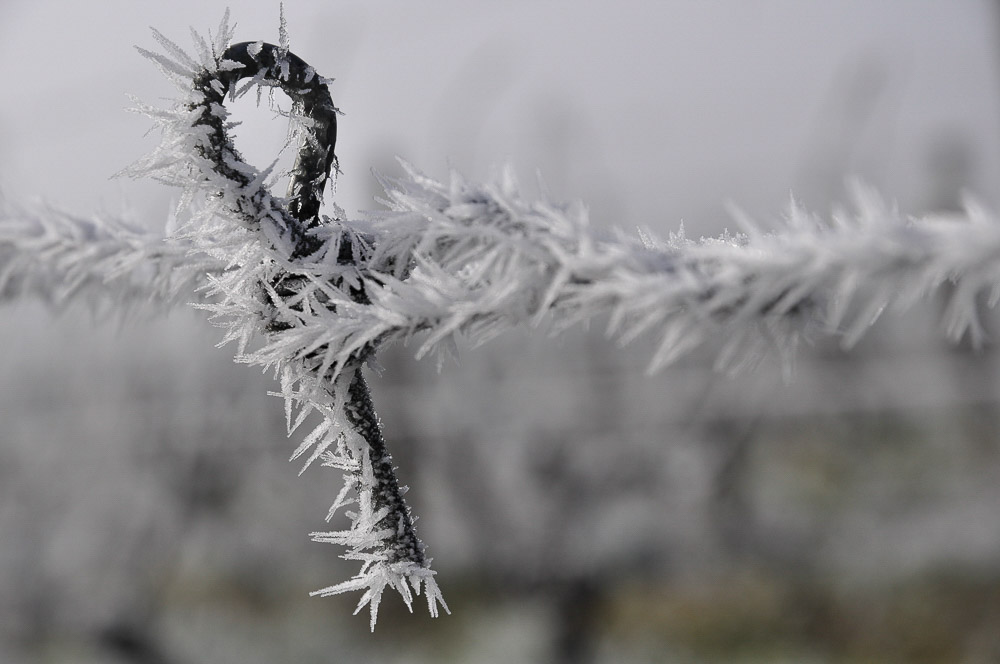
[288,272]
[61,257]
[315,297]
[480,259]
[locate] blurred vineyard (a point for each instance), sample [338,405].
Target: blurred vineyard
[574,504]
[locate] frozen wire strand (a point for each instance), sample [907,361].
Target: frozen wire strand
[543,261]
[59,256]
[479,264]
[682,285]
[289,291]
[311,170]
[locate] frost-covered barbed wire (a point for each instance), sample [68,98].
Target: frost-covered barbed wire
[61,257]
[487,260]
[315,297]
[286,267]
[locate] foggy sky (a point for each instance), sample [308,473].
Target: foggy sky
[652,112]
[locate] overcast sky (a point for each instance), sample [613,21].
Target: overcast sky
[652,112]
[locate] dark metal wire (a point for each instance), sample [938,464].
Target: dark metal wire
[273,65]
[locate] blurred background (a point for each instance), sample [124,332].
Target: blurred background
[577,509]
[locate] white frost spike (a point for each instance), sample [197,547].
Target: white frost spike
[375,578]
[283,41]
[223,37]
[58,256]
[176,51]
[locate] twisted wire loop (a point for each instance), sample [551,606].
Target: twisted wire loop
[273,66]
[315,160]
